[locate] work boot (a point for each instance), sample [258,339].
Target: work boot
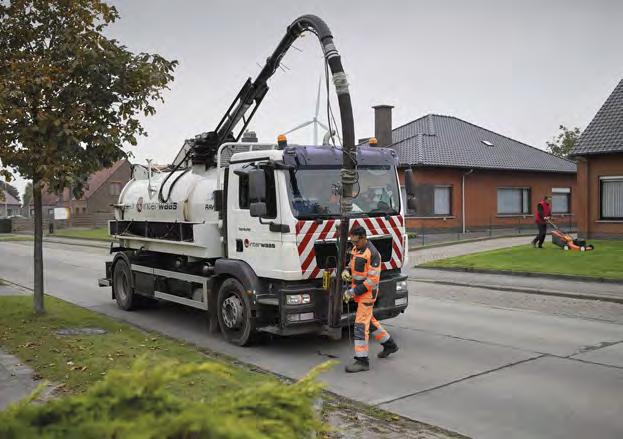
[389,347]
[361,364]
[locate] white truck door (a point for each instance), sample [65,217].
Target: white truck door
[248,238]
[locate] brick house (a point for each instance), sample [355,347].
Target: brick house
[9,205]
[469,178]
[101,191]
[599,153]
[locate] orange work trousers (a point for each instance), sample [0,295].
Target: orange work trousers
[366,324]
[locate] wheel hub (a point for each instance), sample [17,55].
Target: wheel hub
[232,312]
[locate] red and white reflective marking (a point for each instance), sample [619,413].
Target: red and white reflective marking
[308,232]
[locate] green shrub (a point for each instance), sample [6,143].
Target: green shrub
[137,404]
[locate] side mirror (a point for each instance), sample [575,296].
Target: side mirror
[258,210]
[257,186]
[409,183]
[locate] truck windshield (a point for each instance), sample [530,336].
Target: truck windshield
[314,192]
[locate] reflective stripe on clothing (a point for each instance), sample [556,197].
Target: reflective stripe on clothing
[364,324]
[365,268]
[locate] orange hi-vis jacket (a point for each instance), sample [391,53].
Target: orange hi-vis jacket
[365,268]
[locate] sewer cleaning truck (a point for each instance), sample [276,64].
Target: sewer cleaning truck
[254,234]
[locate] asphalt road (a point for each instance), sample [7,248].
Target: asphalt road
[487,370]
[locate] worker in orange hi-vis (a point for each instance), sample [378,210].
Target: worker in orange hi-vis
[364,275]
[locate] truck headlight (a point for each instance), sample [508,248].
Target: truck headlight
[298,299]
[401,285]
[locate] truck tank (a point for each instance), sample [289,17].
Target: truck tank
[191,202]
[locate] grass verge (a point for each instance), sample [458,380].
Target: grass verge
[11,237]
[100,234]
[603,262]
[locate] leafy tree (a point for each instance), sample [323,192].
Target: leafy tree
[562,144]
[70,97]
[10,189]
[27,195]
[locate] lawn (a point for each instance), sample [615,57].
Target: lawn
[100,234]
[603,262]
[11,237]
[78,361]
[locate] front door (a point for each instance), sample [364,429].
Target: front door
[250,239]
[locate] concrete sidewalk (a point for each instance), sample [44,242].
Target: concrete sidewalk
[16,380]
[427,254]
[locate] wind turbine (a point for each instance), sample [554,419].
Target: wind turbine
[314,121]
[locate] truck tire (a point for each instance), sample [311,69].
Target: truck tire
[234,313]
[122,286]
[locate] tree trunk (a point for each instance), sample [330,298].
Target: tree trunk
[38,263]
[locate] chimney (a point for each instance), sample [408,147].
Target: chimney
[383,124]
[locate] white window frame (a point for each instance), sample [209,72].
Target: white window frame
[562,191]
[615,178]
[449,189]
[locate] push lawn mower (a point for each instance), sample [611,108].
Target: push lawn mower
[566,242]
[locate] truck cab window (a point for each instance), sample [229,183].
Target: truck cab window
[243,192]
[271,193]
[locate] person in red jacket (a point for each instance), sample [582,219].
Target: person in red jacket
[541,218]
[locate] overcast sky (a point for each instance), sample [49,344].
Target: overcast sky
[520,68]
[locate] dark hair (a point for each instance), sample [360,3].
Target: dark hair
[358,231]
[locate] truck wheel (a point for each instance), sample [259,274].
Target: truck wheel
[122,286]
[234,313]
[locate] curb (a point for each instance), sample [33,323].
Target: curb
[85,242]
[525,274]
[526,290]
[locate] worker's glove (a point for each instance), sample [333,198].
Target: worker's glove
[346,277]
[348,295]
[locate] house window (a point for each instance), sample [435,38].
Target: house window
[611,197]
[432,200]
[441,203]
[114,189]
[513,201]
[561,200]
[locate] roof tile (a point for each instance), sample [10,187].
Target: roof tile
[605,132]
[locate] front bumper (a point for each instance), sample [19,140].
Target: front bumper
[286,319]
